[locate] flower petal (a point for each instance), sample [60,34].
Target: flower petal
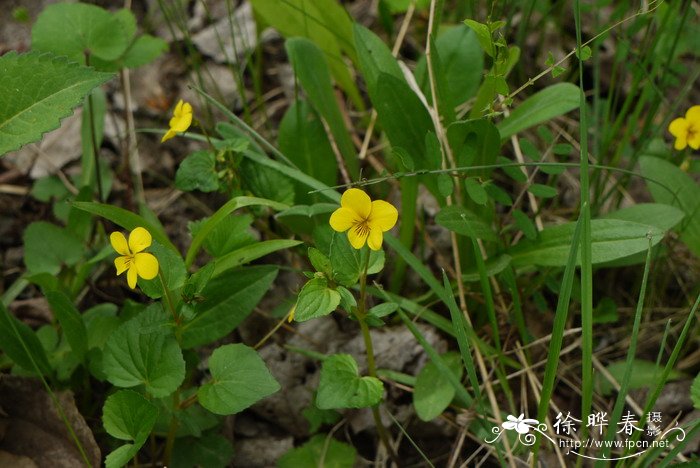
[182,120]
[357,201]
[168,135]
[146,265]
[343,219]
[383,215]
[358,237]
[121,263]
[694,140]
[375,239]
[139,239]
[178,108]
[693,115]
[678,127]
[681,142]
[132,276]
[119,244]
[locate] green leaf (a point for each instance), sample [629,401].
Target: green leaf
[21,344]
[341,386]
[318,417]
[48,247]
[445,185]
[544,105]
[77,29]
[126,219]
[476,192]
[312,71]
[611,239]
[38,91]
[303,140]
[228,300]
[678,189]
[433,392]
[461,63]
[494,266]
[320,450]
[525,224]
[316,299]
[695,392]
[347,261]
[585,53]
[208,451]
[664,217]
[483,34]
[542,191]
[644,374]
[144,351]
[266,183]
[319,261]
[462,221]
[239,379]
[475,143]
[374,57]
[251,252]
[229,207]
[144,50]
[71,322]
[172,269]
[232,233]
[127,415]
[198,172]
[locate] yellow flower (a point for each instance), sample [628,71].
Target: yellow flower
[364,219]
[133,258]
[687,130]
[181,121]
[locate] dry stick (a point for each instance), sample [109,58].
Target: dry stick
[448,157]
[132,152]
[395,52]
[336,152]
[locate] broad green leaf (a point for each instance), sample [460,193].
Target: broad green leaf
[433,393]
[231,233]
[684,194]
[100,322]
[462,221]
[38,91]
[644,374]
[71,322]
[228,300]
[320,450]
[494,266]
[47,248]
[475,143]
[542,106]
[325,22]
[210,451]
[316,299]
[303,140]
[21,344]
[611,239]
[695,392]
[311,69]
[239,379]
[525,224]
[228,208]
[251,252]
[664,217]
[461,63]
[320,261]
[144,50]
[318,417]
[198,172]
[266,183]
[126,219]
[144,351]
[374,57]
[341,386]
[483,35]
[129,416]
[79,29]
[172,270]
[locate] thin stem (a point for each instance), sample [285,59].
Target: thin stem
[172,430]
[93,138]
[361,313]
[168,297]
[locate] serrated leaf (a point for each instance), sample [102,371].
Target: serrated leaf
[321,450]
[544,105]
[316,299]
[319,261]
[433,392]
[38,90]
[72,29]
[197,172]
[172,270]
[127,415]
[144,351]
[239,379]
[228,300]
[341,386]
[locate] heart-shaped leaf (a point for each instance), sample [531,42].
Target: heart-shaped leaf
[341,386]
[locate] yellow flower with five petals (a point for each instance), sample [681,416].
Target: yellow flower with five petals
[132,257]
[364,220]
[687,130]
[181,120]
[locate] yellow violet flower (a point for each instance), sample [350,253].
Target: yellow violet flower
[364,219]
[181,120]
[132,255]
[687,130]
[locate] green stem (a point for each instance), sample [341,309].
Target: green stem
[168,297]
[172,430]
[361,314]
[93,137]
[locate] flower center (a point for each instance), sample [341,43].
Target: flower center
[362,228]
[692,130]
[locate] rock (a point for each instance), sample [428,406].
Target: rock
[229,39]
[261,452]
